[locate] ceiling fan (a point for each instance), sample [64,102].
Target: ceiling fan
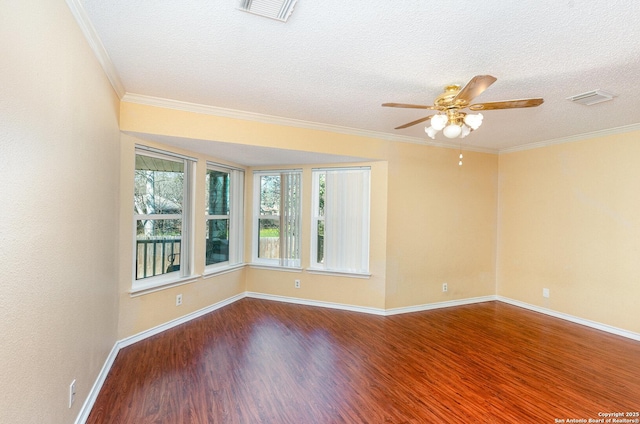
[450,118]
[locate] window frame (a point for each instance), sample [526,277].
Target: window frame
[186,270]
[235,217]
[280,262]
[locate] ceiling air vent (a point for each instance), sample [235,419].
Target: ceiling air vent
[591,97]
[274,9]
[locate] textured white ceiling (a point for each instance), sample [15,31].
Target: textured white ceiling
[336,62]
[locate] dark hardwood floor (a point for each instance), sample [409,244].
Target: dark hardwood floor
[257,361]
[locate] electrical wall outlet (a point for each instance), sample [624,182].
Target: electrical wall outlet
[444,287]
[297,284]
[179,299]
[72,393]
[545,293]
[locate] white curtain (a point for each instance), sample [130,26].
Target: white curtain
[290,220]
[237,214]
[347,220]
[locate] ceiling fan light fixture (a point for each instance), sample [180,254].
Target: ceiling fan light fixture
[473,121]
[452,131]
[450,117]
[438,122]
[431,132]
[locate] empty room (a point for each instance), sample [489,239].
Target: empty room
[319,212]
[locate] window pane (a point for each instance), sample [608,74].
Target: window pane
[217,241]
[270,195]
[277,218]
[159,186]
[269,239]
[217,192]
[158,247]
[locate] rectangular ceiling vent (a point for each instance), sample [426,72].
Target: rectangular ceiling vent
[591,97]
[274,9]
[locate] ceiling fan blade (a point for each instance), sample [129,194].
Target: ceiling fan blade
[475,87]
[412,123]
[507,104]
[407,106]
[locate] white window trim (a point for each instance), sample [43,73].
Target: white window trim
[236,221]
[276,267]
[185,274]
[220,270]
[151,288]
[321,271]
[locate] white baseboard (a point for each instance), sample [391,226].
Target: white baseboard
[439,305]
[567,317]
[87,406]
[181,320]
[95,390]
[321,304]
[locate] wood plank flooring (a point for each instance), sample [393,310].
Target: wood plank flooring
[257,361]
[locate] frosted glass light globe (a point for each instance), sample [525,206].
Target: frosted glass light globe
[473,121]
[431,132]
[438,122]
[452,131]
[465,131]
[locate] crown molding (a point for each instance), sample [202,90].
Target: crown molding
[278,120]
[90,34]
[573,138]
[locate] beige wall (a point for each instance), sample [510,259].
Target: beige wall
[58,233]
[156,120]
[441,225]
[570,222]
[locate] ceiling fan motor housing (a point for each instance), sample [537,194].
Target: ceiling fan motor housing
[454,99]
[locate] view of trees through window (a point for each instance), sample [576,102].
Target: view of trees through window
[158,206]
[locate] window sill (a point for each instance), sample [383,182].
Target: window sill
[222,270]
[275,267]
[338,273]
[141,291]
